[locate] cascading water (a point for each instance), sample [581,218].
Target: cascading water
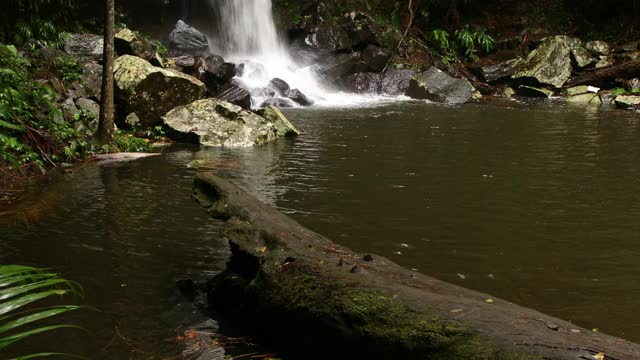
[245,33]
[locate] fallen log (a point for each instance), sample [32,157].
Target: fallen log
[605,77]
[321,300]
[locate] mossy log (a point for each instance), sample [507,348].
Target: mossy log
[321,300]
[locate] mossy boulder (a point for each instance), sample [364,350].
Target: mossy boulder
[438,86]
[129,42]
[214,122]
[84,47]
[628,101]
[284,127]
[151,91]
[550,63]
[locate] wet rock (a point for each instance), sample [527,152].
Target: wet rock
[500,71]
[277,102]
[214,72]
[598,48]
[362,83]
[344,65]
[85,47]
[279,86]
[535,92]
[585,99]
[128,42]
[262,92]
[550,62]
[236,95]
[187,40]
[360,29]
[438,86]
[284,127]
[88,105]
[330,37]
[375,58]
[186,62]
[92,79]
[628,101]
[632,85]
[150,91]
[581,57]
[214,122]
[297,96]
[396,81]
[607,97]
[582,89]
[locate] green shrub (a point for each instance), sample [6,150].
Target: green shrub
[68,69]
[464,44]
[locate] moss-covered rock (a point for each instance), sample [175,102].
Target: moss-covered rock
[284,127]
[215,122]
[150,91]
[550,62]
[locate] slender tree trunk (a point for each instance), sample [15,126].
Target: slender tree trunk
[106,124]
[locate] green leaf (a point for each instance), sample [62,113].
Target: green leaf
[18,303]
[6,341]
[43,314]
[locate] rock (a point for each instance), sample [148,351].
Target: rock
[69,109]
[598,48]
[187,40]
[360,29]
[628,101]
[132,120]
[508,92]
[628,47]
[607,97]
[436,85]
[236,95]
[85,47]
[550,62]
[363,83]
[582,89]
[344,65]
[279,86]
[186,62]
[629,56]
[89,105]
[530,91]
[92,79]
[375,58]
[214,122]
[329,37]
[500,71]
[284,127]
[214,72]
[297,96]
[581,57]
[632,85]
[277,102]
[151,91]
[262,92]
[604,62]
[128,42]
[589,99]
[396,81]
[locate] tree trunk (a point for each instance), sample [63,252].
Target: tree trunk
[606,76]
[106,124]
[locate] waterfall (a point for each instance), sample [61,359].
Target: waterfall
[244,32]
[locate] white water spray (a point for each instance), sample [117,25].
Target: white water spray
[246,34]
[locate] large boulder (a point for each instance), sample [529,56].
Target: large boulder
[501,71]
[328,37]
[598,48]
[582,57]
[375,57]
[214,122]
[344,65]
[214,72]
[360,29]
[284,127]
[187,40]
[391,82]
[438,86]
[279,86]
[128,42]
[92,79]
[628,101]
[150,91]
[297,96]
[550,62]
[85,47]
[362,83]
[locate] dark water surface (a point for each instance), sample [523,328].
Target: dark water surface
[539,205]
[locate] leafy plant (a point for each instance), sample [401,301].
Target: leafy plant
[68,69]
[619,91]
[464,44]
[22,286]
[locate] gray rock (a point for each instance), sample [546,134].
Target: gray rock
[598,48]
[279,86]
[582,89]
[89,105]
[92,79]
[360,29]
[535,92]
[236,95]
[187,40]
[329,37]
[607,97]
[438,86]
[496,72]
[628,101]
[581,57]
[132,120]
[550,62]
[284,127]
[585,99]
[604,61]
[363,83]
[344,65]
[69,109]
[297,96]
[632,85]
[151,91]
[277,102]
[214,122]
[186,62]
[214,72]
[85,47]
[396,81]
[375,58]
